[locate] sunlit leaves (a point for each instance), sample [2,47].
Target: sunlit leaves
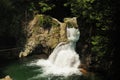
[99,45]
[44,7]
[40,6]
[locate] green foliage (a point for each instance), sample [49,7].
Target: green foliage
[45,7]
[45,21]
[95,13]
[95,19]
[99,45]
[40,6]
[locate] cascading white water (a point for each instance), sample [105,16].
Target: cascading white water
[64,60]
[65,55]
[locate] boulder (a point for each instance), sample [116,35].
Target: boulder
[7,78]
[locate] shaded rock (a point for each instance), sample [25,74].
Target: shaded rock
[46,31]
[84,72]
[7,78]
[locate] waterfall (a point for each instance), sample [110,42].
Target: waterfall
[64,54]
[63,60]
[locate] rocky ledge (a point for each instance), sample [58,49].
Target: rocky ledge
[46,32]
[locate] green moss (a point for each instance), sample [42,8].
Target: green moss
[41,20]
[44,21]
[47,22]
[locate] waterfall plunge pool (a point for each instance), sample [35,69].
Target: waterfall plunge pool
[20,70]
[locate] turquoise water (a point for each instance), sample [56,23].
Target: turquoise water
[18,70]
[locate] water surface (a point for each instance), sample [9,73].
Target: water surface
[19,70]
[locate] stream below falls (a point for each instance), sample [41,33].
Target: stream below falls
[20,70]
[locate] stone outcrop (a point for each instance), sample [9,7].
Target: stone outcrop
[46,31]
[7,78]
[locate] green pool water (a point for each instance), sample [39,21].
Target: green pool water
[19,70]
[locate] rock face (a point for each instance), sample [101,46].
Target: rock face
[46,31]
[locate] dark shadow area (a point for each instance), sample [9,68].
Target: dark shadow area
[59,11]
[7,42]
[115,69]
[8,52]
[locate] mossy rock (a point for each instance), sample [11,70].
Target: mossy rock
[46,31]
